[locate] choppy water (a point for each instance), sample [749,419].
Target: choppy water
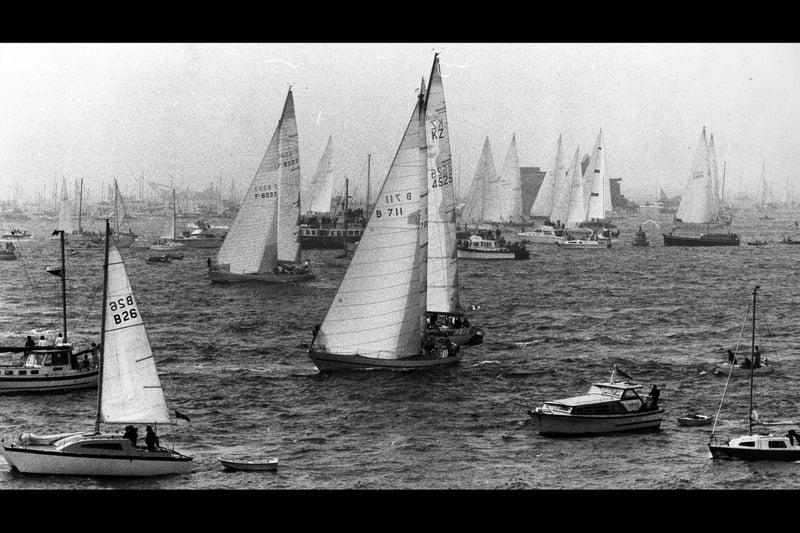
[232,358]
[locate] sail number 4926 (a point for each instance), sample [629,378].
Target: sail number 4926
[121,305]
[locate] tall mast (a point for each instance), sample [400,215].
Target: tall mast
[173,214]
[116,218]
[80,208]
[63,288]
[369,156]
[346,194]
[102,331]
[752,363]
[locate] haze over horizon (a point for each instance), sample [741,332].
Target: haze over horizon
[195,114]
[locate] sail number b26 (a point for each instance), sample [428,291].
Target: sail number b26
[123,315]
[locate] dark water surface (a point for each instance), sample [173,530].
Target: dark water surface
[232,358]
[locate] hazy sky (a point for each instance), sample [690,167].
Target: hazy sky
[200,113]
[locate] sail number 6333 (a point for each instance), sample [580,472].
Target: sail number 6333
[122,305]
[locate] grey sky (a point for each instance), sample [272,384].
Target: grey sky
[202,113]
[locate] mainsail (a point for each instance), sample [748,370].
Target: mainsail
[545,199]
[442,275]
[597,197]
[695,206]
[254,243]
[130,389]
[714,175]
[380,304]
[510,186]
[576,213]
[320,190]
[482,203]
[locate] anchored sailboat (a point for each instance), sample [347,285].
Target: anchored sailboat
[378,317]
[263,243]
[129,393]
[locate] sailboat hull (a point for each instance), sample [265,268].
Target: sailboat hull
[96,456]
[228,277]
[328,362]
[757,448]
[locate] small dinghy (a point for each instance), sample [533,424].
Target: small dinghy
[695,420]
[249,465]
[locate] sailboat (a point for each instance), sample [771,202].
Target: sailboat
[263,243]
[167,243]
[52,367]
[698,205]
[123,239]
[445,315]
[482,201]
[377,319]
[544,205]
[129,393]
[74,236]
[754,447]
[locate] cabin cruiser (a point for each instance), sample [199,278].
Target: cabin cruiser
[608,407]
[544,235]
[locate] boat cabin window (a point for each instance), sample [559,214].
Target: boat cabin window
[629,394]
[103,445]
[748,443]
[558,407]
[777,444]
[612,392]
[9,372]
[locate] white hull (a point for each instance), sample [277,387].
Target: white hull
[554,424]
[584,245]
[47,380]
[46,460]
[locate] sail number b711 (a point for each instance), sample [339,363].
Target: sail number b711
[390,199]
[122,305]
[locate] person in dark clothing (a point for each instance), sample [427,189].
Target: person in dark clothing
[131,433]
[746,363]
[757,358]
[793,436]
[151,439]
[29,344]
[654,395]
[731,358]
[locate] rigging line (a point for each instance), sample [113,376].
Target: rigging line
[730,370]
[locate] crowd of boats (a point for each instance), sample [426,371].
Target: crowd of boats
[397,307]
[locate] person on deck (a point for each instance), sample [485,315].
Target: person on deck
[42,341]
[654,395]
[757,358]
[29,344]
[731,358]
[151,439]
[746,363]
[131,433]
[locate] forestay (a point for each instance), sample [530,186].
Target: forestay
[130,386]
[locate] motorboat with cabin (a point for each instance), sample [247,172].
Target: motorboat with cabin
[608,407]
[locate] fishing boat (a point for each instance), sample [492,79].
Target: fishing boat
[247,464]
[754,446]
[482,246]
[445,316]
[377,319]
[7,251]
[693,420]
[640,238]
[51,367]
[263,244]
[167,241]
[608,407]
[129,392]
[699,204]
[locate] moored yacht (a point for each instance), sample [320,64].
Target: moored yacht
[608,407]
[544,235]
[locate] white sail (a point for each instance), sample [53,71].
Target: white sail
[289,185]
[320,190]
[481,203]
[576,213]
[598,199]
[65,221]
[695,206]
[377,308]
[130,386]
[563,188]
[442,259]
[510,186]
[168,231]
[545,199]
[254,244]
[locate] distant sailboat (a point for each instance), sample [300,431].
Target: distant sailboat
[263,243]
[510,186]
[482,203]
[698,206]
[320,189]
[167,241]
[123,239]
[377,319]
[551,203]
